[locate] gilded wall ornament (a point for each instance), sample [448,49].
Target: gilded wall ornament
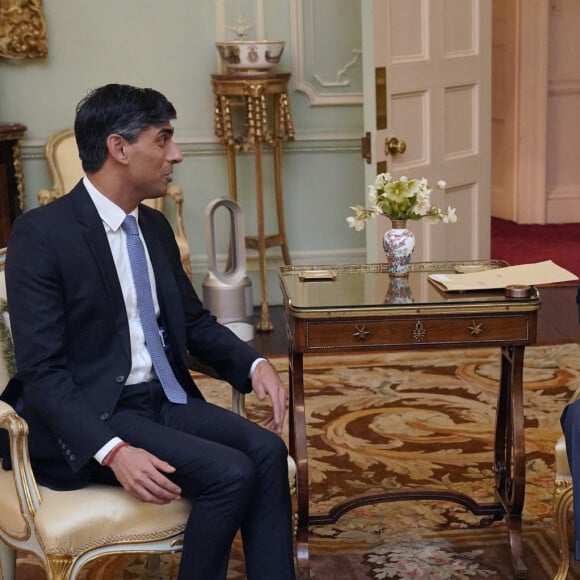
[22,29]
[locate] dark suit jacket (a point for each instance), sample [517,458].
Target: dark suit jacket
[71,332]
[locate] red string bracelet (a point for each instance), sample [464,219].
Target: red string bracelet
[107,461]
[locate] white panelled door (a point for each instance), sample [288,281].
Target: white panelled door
[427,82]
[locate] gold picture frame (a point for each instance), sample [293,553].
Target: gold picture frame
[22,29]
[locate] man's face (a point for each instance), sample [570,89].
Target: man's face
[151,160]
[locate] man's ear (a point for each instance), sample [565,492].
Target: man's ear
[117,147]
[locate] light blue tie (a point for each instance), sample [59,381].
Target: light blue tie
[173,390]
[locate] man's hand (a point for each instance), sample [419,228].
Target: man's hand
[141,475]
[267,383]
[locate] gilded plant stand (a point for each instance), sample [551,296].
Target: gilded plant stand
[267,119]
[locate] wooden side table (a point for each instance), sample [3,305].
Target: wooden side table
[267,119]
[11,177]
[343,309]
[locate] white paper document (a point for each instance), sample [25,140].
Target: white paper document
[527,274]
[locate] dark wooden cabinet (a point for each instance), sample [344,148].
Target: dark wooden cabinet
[11,178]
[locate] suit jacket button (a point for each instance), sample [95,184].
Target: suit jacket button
[104,416]
[120,379]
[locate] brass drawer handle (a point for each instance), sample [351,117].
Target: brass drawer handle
[419,332]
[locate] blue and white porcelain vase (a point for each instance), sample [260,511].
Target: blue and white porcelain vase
[398,243]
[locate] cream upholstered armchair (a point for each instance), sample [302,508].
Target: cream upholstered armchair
[562,502]
[65,169]
[68,529]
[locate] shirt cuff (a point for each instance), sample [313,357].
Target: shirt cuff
[106,449]
[255,364]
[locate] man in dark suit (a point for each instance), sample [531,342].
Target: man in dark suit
[89,381]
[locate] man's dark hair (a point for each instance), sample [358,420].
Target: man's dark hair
[119,109]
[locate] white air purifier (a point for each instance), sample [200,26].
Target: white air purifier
[228,294]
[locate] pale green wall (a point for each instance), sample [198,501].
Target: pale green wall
[169,45]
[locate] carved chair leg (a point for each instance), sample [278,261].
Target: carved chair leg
[60,566]
[7,562]
[561,509]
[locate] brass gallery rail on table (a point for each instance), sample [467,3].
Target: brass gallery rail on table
[358,307]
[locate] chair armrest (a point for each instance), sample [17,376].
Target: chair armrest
[24,480]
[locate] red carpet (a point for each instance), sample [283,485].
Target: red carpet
[529,243]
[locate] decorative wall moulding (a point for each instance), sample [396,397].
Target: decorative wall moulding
[326,52]
[206,146]
[231,23]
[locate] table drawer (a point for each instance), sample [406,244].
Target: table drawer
[417,330]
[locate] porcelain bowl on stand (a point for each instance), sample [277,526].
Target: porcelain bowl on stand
[250,56]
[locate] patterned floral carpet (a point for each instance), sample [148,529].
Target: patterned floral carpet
[404,420]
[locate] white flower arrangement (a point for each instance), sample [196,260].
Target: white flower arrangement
[400,199]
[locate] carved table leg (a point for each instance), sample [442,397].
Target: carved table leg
[297,429]
[510,449]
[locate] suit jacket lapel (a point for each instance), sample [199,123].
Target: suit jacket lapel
[96,238]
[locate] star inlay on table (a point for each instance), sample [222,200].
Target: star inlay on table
[361,332]
[476,328]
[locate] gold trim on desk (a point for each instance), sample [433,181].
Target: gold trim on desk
[471,303]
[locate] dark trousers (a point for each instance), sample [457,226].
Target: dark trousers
[234,471]
[570,421]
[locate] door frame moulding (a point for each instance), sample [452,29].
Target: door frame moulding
[532,106]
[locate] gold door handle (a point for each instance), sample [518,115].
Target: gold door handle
[393,146]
